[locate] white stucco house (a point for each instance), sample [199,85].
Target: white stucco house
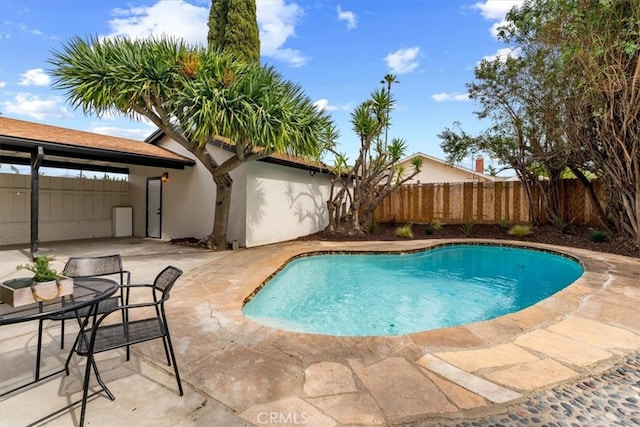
[168,194]
[273,199]
[435,170]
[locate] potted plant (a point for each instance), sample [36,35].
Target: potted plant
[41,269]
[45,285]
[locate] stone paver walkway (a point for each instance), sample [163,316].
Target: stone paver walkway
[482,373]
[457,372]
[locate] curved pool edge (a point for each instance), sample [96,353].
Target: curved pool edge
[455,372]
[469,242]
[304,325]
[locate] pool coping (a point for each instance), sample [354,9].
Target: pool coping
[253,293]
[465,371]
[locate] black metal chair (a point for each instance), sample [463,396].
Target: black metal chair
[76,267]
[147,325]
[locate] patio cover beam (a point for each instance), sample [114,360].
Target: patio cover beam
[36,160]
[14,160]
[9,143]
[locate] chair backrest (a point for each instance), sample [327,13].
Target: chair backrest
[93,266]
[165,279]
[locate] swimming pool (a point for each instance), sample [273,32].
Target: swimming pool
[396,294]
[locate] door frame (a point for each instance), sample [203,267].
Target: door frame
[159,179]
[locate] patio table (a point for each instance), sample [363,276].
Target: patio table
[88,292]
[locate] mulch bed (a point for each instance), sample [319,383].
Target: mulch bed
[578,237]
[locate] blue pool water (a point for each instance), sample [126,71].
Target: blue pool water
[381,294]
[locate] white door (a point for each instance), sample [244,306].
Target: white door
[154,208]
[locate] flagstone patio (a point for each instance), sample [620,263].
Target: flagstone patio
[247,374]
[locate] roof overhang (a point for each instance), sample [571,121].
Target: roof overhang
[73,149]
[282,160]
[15,150]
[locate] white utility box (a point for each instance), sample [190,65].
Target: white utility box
[122,221]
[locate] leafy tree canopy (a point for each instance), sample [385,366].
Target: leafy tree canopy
[194,95]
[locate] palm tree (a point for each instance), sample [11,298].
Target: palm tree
[388,79]
[193,95]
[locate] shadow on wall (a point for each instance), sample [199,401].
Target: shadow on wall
[281,209]
[256,202]
[298,203]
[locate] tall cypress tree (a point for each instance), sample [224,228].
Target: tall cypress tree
[233,27]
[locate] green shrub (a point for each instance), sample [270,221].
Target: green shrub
[598,236]
[467,228]
[520,230]
[405,231]
[503,224]
[374,228]
[436,224]
[42,271]
[429,229]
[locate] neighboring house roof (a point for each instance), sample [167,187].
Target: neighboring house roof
[275,158]
[444,163]
[73,148]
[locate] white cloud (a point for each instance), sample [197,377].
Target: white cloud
[348,17]
[26,29]
[175,18]
[503,54]
[2,84]
[35,77]
[403,60]
[496,10]
[496,26]
[137,134]
[323,105]
[26,104]
[277,21]
[178,18]
[453,96]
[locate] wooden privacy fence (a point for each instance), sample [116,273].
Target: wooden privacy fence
[480,203]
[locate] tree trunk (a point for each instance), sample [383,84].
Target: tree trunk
[367,219]
[636,172]
[595,202]
[218,237]
[353,218]
[331,211]
[525,180]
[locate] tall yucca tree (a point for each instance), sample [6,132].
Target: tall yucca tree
[193,95]
[388,80]
[376,171]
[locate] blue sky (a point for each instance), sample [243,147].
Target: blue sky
[338,51]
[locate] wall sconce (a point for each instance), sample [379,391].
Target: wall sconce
[312,173]
[165,177]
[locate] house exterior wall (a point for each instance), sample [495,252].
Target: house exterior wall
[269,203]
[184,199]
[434,172]
[283,203]
[69,208]
[188,198]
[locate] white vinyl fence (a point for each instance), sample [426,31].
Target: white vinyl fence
[69,208]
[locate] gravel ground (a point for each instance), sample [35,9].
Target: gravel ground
[608,399]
